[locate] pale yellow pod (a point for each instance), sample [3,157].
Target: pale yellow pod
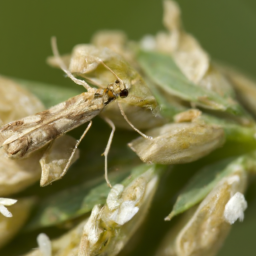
[9,227]
[204,228]
[65,245]
[178,143]
[55,159]
[110,227]
[16,102]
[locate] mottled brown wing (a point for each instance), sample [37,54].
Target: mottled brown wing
[22,137]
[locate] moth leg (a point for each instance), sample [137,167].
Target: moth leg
[74,150]
[133,127]
[111,124]
[64,68]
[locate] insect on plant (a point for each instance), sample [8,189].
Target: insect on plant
[22,137]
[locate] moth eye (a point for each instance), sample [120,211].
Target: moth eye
[117,81]
[124,93]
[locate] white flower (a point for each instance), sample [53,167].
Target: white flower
[6,202]
[235,208]
[44,244]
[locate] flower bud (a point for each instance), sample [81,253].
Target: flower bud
[111,226]
[178,143]
[203,230]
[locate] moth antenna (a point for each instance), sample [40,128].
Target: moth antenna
[92,81]
[133,127]
[64,68]
[112,125]
[74,150]
[107,67]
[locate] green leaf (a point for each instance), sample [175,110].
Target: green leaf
[72,202]
[79,200]
[206,179]
[165,73]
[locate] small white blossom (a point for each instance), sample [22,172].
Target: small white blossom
[148,42]
[235,208]
[6,202]
[44,244]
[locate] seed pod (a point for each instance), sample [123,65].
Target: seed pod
[203,230]
[244,86]
[67,244]
[55,159]
[10,226]
[15,102]
[178,143]
[111,226]
[141,118]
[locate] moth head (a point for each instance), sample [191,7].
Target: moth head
[119,89]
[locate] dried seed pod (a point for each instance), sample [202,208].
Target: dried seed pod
[141,118]
[203,230]
[15,175]
[67,244]
[244,86]
[16,102]
[112,39]
[55,159]
[187,52]
[178,143]
[111,226]
[187,116]
[10,226]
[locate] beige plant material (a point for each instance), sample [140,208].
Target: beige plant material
[16,102]
[112,39]
[15,175]
[244,86]
[187,116]
[178,143]
[55,159]
[141,118]
[111,226]
[215,81]
[44,243]
[86,58]
[187,52]
[66,245]
[10,226]
[203,231]
[6,202]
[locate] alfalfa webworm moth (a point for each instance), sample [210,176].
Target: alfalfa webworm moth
[22,137]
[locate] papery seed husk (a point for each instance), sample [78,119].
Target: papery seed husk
[15,175]
[16,102]
[55,159]
[10,226]
[187,116]
[65,245]
[141,118]
[187,52]
[108,230]
[178,143]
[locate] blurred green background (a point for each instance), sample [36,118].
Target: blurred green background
[225,28]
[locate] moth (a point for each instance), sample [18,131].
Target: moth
[22,137]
